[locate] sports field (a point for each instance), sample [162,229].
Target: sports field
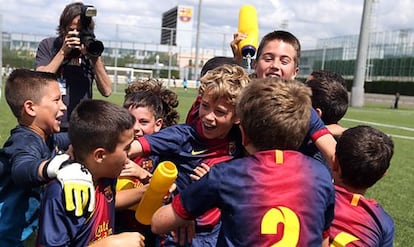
[395,191]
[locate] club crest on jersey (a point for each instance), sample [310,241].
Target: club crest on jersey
[147,165]
[109,195]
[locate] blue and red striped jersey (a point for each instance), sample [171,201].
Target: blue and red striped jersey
[360,222]
[57,227]
[271,197]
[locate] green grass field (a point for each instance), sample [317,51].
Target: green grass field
[395,191]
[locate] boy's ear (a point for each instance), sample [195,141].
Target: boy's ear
[296,72]
[319,111]
[335,166]
[29,107]
[236,120]
[99,155]
[158,124]
[245,138]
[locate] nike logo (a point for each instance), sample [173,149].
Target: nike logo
[198,152]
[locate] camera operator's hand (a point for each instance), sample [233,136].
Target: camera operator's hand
[72,41]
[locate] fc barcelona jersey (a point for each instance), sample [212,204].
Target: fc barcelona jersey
[271,197]
[360,222]
[60,228]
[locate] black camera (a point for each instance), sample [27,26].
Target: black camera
[94,47]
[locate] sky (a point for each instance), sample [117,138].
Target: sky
[140,21]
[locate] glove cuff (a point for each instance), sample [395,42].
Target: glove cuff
[51,167]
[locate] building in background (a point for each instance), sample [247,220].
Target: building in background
[177,26]
[391,53]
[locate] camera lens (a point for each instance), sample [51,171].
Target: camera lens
[94,47]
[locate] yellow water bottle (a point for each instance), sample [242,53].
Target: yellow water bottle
[161,181]
[125,183]
[248,24]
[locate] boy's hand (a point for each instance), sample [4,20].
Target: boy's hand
[131,169]
[200,171]
[78,188]
[234,44]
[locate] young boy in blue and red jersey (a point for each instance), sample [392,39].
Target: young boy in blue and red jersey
[205,141]
[330,101]
[278,55]
[101,145]
[154,108]
[274,196]
[30,158]
[363,156]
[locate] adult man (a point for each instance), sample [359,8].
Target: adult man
[75,70]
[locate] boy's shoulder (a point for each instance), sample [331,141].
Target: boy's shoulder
[24,138]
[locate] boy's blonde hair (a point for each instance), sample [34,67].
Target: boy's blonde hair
[274,113]
[23,85]
[224,82]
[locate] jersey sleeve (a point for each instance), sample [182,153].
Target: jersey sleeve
[167,141]
[316,126]
[26,159]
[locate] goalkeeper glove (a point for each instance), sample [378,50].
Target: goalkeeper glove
[78,188]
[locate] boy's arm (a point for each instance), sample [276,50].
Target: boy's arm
[129,197]
[325,242]
[321,137]
[135,150]
[165,219]
[326,145]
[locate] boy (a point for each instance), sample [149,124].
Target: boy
[28,158]
[101,144]
[363,157]
[330,101]
[206,140]
[153,107]
[278,55]
[275,195]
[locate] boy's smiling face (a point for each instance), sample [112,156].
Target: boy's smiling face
[217,117]
[277,60]
[145,122]
[49,110]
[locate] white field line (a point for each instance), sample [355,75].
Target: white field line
[384,125]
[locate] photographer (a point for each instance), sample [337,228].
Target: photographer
[71,58]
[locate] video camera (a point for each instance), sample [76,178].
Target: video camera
[94,47]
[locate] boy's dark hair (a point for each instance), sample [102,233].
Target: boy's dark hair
[284,36]
[330,97]
[68,14]
[275,113]
[215,62]
[328,75]
[23,85]
[364,154]
[151,93]
[97,123]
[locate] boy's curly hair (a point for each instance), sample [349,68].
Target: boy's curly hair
[151,93]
